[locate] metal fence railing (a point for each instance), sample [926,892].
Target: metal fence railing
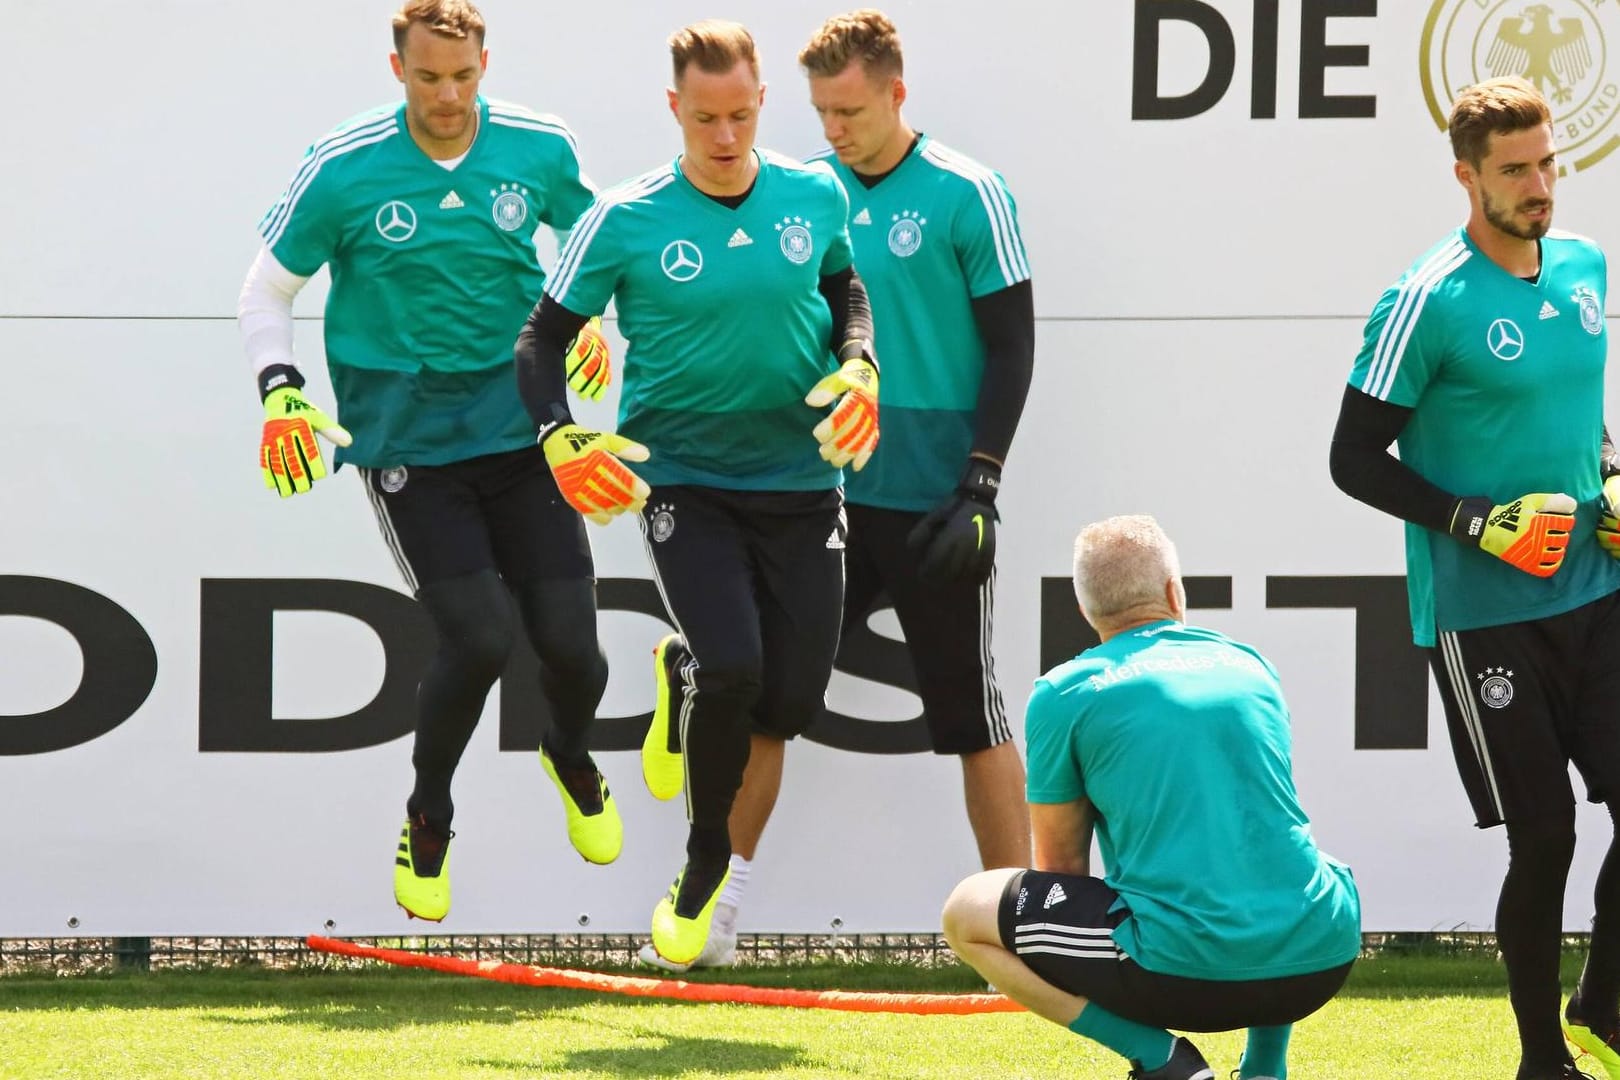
[87,955]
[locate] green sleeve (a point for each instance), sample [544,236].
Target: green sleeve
[587,270]
[1051,726]
[304,227]
[985,235]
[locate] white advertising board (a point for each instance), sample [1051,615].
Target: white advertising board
[173,642]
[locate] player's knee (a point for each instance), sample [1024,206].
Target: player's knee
[785,719]
[1546,844]
[478,652]
[952,918]
[577,659]
[735,678]
[560,619]
[972,911]
[471,615]
[791,702]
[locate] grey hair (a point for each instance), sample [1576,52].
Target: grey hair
[1120,564]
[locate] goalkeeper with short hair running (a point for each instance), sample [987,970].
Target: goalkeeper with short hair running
[1485,361]
[425,212]
[737,294]
[937,240]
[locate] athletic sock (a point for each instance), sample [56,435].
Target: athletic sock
[737,883]
[1266,1054]
[1147,1046]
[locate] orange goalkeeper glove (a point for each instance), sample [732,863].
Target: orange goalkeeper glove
[589,471]
[1529,533]
[588,364]
[1608,526]
[849,434]
[289,457]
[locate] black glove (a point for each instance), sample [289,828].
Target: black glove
[956,540]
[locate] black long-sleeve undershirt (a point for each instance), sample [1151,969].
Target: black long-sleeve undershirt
[541,346]
[1006,323]
[1363,468]
[851,309]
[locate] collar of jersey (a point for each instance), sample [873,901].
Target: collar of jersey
[692,191]
[1486,260]
[478,137]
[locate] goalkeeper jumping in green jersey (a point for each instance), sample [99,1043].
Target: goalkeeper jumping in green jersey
[425,212]
[745,321]
[1485,362]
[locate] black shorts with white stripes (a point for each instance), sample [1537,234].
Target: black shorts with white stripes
[498,512]
[1523,700]
[946,625]
[1062,925]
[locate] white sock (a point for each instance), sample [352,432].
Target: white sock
[737,883]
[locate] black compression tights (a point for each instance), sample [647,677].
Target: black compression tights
[1529,930]
[1600,982]
[473,617]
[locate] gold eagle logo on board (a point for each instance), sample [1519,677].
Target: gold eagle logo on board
[1561,47]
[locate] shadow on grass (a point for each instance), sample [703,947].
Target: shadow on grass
[340,1017]
[373,1001]
[658,1054]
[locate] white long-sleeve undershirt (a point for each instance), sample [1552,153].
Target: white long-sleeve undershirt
[264,311]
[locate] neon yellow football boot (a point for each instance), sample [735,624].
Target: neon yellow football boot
[422,870]
[681,921]
[1605,1051]
[661,764]
[594,827]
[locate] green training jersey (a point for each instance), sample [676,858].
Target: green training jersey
[433,272]
[935,234]
[726,327]
[1505,380]
[1180,738]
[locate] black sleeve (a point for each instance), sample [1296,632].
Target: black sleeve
[846,298]
[1364,469]
[541,346]
[1006,323]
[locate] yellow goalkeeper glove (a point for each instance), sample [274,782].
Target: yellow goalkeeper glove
[589,471]
[588,362]
[288,454]
[1529,533]
[849,434]
[1608,526]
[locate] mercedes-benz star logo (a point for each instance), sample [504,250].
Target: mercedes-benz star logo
[1505,339]
[681,260]
[396,221]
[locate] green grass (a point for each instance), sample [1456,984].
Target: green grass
[1408,1017]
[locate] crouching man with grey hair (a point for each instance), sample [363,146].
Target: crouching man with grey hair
[1216,911]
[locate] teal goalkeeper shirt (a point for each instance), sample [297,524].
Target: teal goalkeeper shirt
[1505,380]
[935,234]
[723,316]
[1180,738]
[433,272]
